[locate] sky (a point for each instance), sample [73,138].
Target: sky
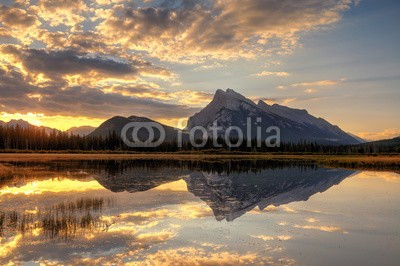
[68,63]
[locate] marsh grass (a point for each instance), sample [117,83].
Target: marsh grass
[63,221]
[6,173]
[373,161]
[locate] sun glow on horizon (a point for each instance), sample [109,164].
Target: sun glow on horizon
[58,122]
[64,123]
[68,64]
[52,186]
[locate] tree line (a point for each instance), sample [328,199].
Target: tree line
[37,139]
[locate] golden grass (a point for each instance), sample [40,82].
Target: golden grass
[345,161]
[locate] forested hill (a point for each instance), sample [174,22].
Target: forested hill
[36,139]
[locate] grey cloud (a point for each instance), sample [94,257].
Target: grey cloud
[80,101]
[87,41]
[57,63]
[16,17]
[12,84]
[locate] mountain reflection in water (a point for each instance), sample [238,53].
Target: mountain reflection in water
[230,188]
[151,212]
[231,196]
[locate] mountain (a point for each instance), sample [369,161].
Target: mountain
[395,142]
[19,122]
[232,195]
[320,127]
[24,124]
[387,145]
[118,122]
[136,179]
[232,109]
[361,140]
[229,108]
[81,131]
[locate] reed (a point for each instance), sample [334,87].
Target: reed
[64,221]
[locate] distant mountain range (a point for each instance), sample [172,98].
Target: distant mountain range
[387,145]
[387,142]
[23,124]
[81,131]
[227,109]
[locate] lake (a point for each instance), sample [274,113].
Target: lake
[160,212]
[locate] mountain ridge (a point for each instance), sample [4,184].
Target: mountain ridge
[229,108]
[81,130]
[117,123]
[24,124]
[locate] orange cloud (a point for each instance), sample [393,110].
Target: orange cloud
[386,176]
[187,97]
[221,30]
[385,134]
[268,73]
[318,83]
[324,228]
[56,12]
[200,256]
[18,23]
[13,17]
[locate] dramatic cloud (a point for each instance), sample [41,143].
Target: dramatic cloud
[18,96]
[16,18]
[110,57]
[18,24]
[219,29]
[188,97]
[58,12]
[75,67]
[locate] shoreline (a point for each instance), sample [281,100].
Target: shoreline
[361,162]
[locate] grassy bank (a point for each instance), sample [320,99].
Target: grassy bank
[376,162]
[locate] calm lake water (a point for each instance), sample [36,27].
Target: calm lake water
[188,213]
